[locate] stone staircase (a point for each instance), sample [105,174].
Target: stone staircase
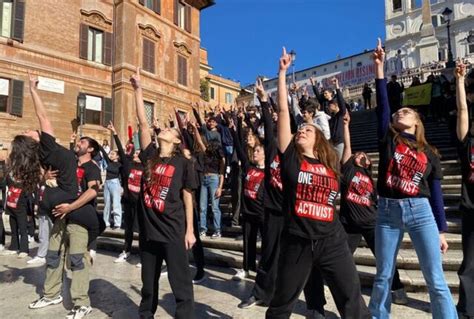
[227,251]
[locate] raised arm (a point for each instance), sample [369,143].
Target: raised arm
[120,150]
[266,115]
[347,152]
[383,108]
[198,137]
[340,99]
[45,124]
[283,124]
[238,147]
[144,128]
[462,126]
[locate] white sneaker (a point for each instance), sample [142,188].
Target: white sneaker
[36,261]
[123,257]
[7,252]
[92,253]
[139,265]
[44,302]
[79,312]
[22,255]
[31,239]
[240,275]
[2,248]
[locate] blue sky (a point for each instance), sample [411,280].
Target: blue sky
[244,37]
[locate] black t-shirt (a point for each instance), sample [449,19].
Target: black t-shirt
[17,199]
[405,172]
[87,172]
[310,190]
[358,197]
[212,162]
[113,170]
[253,191]
[59,158]
[134,181]
[273,185]
[466,155]
[162,216]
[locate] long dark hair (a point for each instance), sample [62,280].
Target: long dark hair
[24,163]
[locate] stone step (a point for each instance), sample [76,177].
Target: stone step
[413,279]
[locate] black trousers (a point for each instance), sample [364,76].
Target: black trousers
[130,219]
[179,275]
[2,230]
[198,250]
[331,255]
[354,238]
[367,103]
[19,228]
[251,228]
[265,281]
[466,271]
[236,187]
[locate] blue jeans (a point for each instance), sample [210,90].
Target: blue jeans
[395,216]
[112,193]
[209,185]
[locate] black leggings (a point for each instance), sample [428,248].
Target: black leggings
[250,243]
[152,255]
[130,219]
[331,255]
[19,228]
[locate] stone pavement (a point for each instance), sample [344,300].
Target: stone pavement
[115,293]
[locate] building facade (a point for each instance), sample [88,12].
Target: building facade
[93,47]
[416,32]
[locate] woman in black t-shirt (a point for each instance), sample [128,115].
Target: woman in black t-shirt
[23,178]
[410,199]
[165,215]
[313,236]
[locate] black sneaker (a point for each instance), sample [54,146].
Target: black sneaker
[199,277]
[250,302]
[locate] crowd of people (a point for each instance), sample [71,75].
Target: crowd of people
[287,161]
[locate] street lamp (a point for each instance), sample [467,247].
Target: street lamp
[81,105]
[293,58]
[447,14]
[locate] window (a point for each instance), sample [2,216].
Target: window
[417,4]
[154,5]
[212,93]
[182,70]
[359,64]
[304,75]
[346,63]
[228,98]
[471,48]
[12,19]
[182,15]
[315,72]
[11,96]
[148,61]
[149,112]
[95,45]
[325,69]
[98,110]
[397,5]
[437,20]
[442,55]
[335,66]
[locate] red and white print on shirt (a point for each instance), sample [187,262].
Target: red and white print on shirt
[156,192]
[13,196]
[316,192]
[275,178]
[80,172]
[471,173]
[253,181]
[360,190]
[406,170]
[134,179]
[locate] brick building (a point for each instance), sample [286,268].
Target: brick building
[92,47]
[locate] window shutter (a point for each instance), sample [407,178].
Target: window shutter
[19,20]
[83,41]
[145,55]
[151,56]
[157,6]
[108,48]
[176,13]
[17,98]
[108,111]
[142,2]
[185,72]
[187,19]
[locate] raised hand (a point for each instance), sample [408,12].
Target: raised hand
[312,80]
[73,137]
[260,90]
[379,53]
[347,118]
[135,79]
[460,70]
[33,79]
[335,82]
[111,127]
[285,60]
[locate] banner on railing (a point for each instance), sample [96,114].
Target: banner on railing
[418,95]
